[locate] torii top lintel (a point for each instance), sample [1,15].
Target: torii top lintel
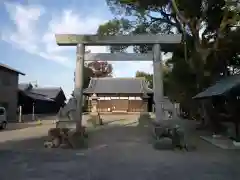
[94,40]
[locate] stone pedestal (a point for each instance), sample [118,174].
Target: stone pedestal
[176,110]
[95,116]
[79,80]
[158,83]
[145,98]
[94,103]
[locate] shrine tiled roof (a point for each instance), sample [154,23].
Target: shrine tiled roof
[221,87]
[118,86]
[4,66]
[47,92]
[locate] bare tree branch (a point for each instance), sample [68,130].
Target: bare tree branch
[154,19]
[175,8]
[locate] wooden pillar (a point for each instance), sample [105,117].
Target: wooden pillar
[145,98]
[79,80]
[20,114]
[33,111]
[158,82]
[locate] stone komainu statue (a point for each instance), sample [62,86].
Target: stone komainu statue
[176,134]
[65,137]
[56,137]
[178,138]
[67,112]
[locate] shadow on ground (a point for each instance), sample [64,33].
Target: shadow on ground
[114,132]
[120,150]
[119,135]
[120,131]
[138,132]
[17,126]
[30,143]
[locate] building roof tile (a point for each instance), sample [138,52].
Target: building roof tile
[47,92]
[220,88]
[10,69]
[117,86]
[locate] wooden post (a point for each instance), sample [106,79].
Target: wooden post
[33,112]
[79,80]
[20,114]
[158,82]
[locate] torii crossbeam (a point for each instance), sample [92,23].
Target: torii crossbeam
[118,57]
[96,40]
[160,42]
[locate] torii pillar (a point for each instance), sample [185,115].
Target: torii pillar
[79,83]
[94,40]
[158,93]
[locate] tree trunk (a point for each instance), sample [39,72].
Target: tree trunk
[205,115]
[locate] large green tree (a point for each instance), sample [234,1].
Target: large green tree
[148,77]
[211,34]
[96,69]
[100,68]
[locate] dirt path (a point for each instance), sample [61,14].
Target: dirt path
[26,138]
[129,131]
[119,150]
[119,132]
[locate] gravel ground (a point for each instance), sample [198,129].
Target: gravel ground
[116,152]
[117,162]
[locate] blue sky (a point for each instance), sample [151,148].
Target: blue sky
[27,39]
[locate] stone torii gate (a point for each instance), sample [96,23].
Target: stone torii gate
[160,43]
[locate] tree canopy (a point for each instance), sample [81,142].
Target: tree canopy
[148,77]
[211,37]
[100,68]
[96,69]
